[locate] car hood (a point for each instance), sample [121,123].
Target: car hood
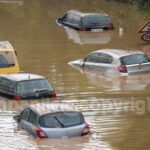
[78,63]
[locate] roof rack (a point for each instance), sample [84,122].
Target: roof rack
[5,45]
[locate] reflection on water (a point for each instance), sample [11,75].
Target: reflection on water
[12,1]
[117,83]
[117,110]
[87,37]
[109,82]
[11,139]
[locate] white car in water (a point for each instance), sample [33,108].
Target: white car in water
[53,120]
[115,62]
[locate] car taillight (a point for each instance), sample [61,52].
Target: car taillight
[122,68]
[82,29]
[53,94]
[86,130]
[17,97]
[40,134]
[111,28]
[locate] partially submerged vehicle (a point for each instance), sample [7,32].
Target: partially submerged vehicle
[115,62]
[20,86]
[20,2]
[52,120]
[94,22]
[8,58]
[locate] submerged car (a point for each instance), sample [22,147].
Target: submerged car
[115,62]
[53,120]
[25,86]
[95,22]
[8,58]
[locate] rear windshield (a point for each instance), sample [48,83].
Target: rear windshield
[96,21]
[7,59]
[134,59]
[31,86]
[61,120]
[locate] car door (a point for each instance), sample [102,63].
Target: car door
[24,118]
[28,121]
[32,123]
[99,61]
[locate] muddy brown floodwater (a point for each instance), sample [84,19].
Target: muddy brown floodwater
[117,109]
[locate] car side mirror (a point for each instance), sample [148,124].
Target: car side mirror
[17,118]
[82,62]
[60,19]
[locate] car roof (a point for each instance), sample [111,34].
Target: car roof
[6,46]
[118,53]
[46,108]
[82,14]
[21,76]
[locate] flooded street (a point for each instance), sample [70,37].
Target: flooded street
[117,109]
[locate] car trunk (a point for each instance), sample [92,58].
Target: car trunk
[62,124]
[138,68]
[64,132]
[135,63]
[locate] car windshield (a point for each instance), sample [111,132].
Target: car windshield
[7,59]
[135,59]
[32,86]
[96,21]
[61,120]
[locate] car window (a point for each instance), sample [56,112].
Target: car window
[99,58]
[7,59]
[65,17]
[7,85]
[32,117]
[30,86]
[25,114]
[134,59]
[73,19]
[96,21]
[63,119]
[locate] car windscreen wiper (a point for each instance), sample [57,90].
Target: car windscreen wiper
[59,121]
[41,90]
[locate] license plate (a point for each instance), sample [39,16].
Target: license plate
[97,30]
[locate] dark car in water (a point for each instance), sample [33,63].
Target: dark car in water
[94,22]
[25,86]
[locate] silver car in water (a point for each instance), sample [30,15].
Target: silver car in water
[115,62]
[53,120]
